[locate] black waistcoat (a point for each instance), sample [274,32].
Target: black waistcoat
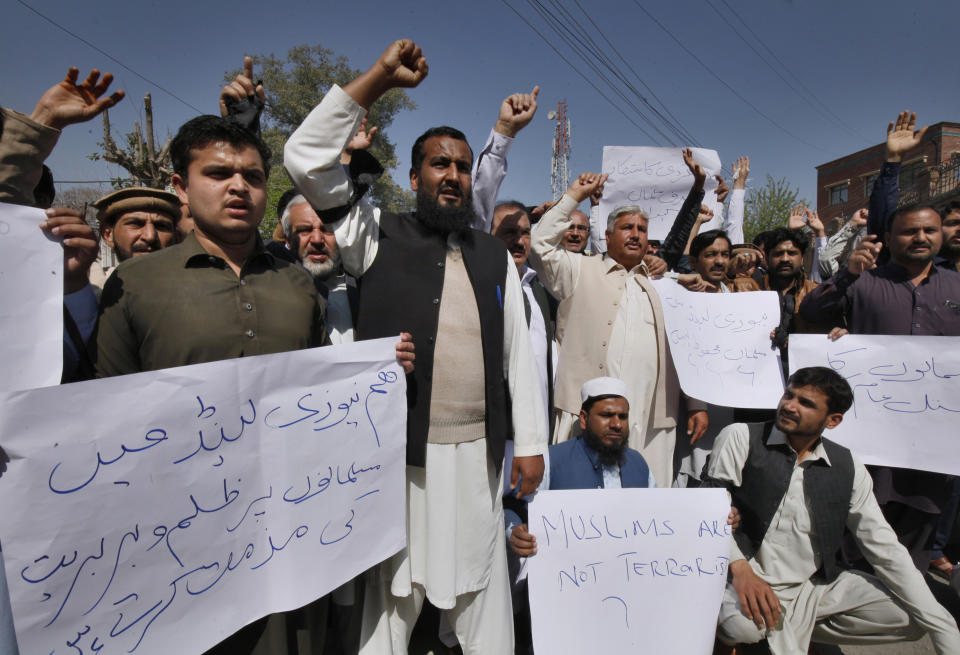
[766,478]
[401,292]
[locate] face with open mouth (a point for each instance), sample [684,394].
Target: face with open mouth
[226,188]
[445,172]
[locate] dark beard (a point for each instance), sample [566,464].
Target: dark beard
[608,455]
[445,220]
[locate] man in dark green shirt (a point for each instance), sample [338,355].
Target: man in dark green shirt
[219,294]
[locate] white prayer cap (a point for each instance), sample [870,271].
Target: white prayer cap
[602,387]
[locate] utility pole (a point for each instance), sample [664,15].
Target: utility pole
[559,172]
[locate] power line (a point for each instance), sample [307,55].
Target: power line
[109,56]
[577,71]
[686,133]
[810,93]
[765,60]
[724,83]
[570,40]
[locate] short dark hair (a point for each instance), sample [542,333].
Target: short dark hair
[417,154]
[592,400]
[909,209]
[952,206]
[701,241]
[832,384]
[773,238]
[201,131]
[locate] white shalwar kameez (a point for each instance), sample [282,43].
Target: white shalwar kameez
[455,556]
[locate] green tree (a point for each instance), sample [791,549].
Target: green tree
[768,207]
[295,85]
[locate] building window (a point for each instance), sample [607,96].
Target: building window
[838,193]
[868,181]
[909,173]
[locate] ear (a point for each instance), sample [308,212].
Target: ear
[414,179]
[833,420]
[608,232]
[180,186]
[583,420]
[106,233]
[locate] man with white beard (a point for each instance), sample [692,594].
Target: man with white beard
[315,247]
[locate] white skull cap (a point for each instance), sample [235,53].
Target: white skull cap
[602,387]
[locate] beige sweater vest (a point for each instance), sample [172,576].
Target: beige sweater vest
[458,398]
[584,323]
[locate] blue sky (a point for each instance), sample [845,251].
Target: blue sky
[864,60]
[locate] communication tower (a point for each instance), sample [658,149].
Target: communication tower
[559,173]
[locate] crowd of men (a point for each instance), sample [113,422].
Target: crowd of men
[530,334]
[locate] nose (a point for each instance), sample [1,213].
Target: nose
[451,172]
[616,424]
[238,184]
[148,232]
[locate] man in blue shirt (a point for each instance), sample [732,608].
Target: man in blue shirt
[598,458]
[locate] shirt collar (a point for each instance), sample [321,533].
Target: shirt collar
[192,253]
[528,275]
[611,265]
[778,438]
[898,273]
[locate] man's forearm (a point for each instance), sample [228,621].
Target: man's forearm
[24,145]
[488,173]
[673,245]
[557,267]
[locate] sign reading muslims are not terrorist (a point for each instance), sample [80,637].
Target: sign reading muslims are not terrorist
[906,396]
[628,570]
[31,316]
[160,512]
[655,179]
[720,345]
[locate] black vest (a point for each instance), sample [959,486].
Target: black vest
[401,292]
[548,309]
[766,477]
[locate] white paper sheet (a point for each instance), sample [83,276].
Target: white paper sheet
[628,570]
[31,316]
[657,180]
[160,512]
[720,344]
[906,391]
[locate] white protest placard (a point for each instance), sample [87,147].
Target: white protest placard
[906,396]
[720,344]
[656,179]
[628,570]
[160,512]
[31,315]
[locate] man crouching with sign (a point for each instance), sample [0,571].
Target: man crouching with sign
[796,492]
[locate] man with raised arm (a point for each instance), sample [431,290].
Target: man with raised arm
[797,491]
[908,295]
[516,112]
[610,323]
[457,291]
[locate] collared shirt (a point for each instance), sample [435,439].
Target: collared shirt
[538,338]
[182,305]
[885,301]
[339,317]
[788,558]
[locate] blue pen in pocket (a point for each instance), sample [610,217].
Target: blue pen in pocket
[499,297]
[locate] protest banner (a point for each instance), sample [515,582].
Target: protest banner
[657,180]
[906,396]
[628,570]
[720,345]
[31,285]
[160,512]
